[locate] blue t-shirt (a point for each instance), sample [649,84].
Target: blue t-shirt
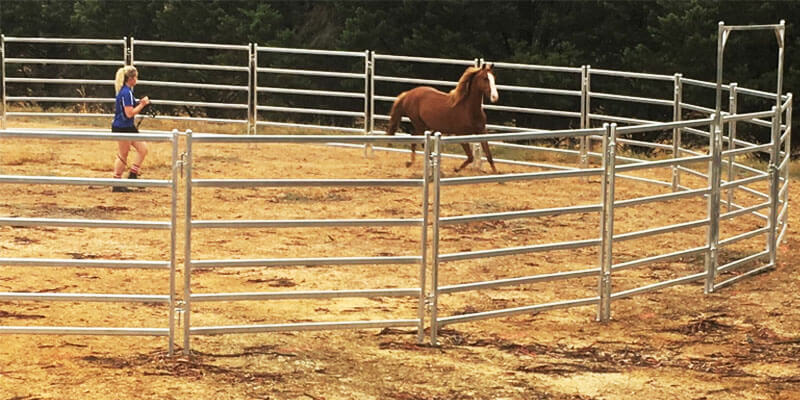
[124,99]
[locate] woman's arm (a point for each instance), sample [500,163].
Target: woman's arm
[131,111]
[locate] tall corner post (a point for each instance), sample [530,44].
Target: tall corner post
[585,122]
[774,157]
[715,166]
[423,267]
[677,115]
[607,221]
[187,263]
[436,169]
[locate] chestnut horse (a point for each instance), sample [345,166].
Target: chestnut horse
[459,112]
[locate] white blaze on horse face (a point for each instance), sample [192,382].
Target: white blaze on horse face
[494,96]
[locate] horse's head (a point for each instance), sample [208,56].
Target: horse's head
[481,80]
[485,82]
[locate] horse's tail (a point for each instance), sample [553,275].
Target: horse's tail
[396,115]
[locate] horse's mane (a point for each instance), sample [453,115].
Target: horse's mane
[462,89]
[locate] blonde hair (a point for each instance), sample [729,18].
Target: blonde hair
[123,74]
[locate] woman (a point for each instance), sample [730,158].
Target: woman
[127,106]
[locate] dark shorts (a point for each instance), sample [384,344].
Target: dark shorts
[127,129]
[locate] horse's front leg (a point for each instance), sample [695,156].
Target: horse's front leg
[413,153]
[468,152]
[485,147]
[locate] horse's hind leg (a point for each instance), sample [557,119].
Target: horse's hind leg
[485,147]
[468,152]
[413,153]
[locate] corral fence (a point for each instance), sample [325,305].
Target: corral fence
[590,134]
[168,265]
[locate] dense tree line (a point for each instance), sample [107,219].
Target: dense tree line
[661,36]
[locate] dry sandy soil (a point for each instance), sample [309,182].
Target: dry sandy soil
[741,342]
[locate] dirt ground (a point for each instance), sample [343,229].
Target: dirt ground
[741,342]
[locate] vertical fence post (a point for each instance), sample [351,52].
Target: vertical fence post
[187,263]
[585,123]
[251,89]
[477,151]
[369,102]
[714,181]
[732,107]
[367,92]
[129,50]
[3,81]
[372,91]
[780,35]
[436,160]
[125,50]
[426,178]
[173,240]
[677,115]
[255,88]
[788,154]
[607,221]
[774,185]
[714,166]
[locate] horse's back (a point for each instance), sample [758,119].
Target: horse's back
[424,94]
[431,109]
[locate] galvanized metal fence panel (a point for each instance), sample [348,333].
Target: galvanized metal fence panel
[167,299]
[318,90]
[192,264]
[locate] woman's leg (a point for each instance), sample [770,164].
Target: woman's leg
[122,158]
[141,153]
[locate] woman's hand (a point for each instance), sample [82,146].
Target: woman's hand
[130,112]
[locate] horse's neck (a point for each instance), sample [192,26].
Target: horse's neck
[473,100]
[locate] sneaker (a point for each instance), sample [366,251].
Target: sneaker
[120,189]
[133,175]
